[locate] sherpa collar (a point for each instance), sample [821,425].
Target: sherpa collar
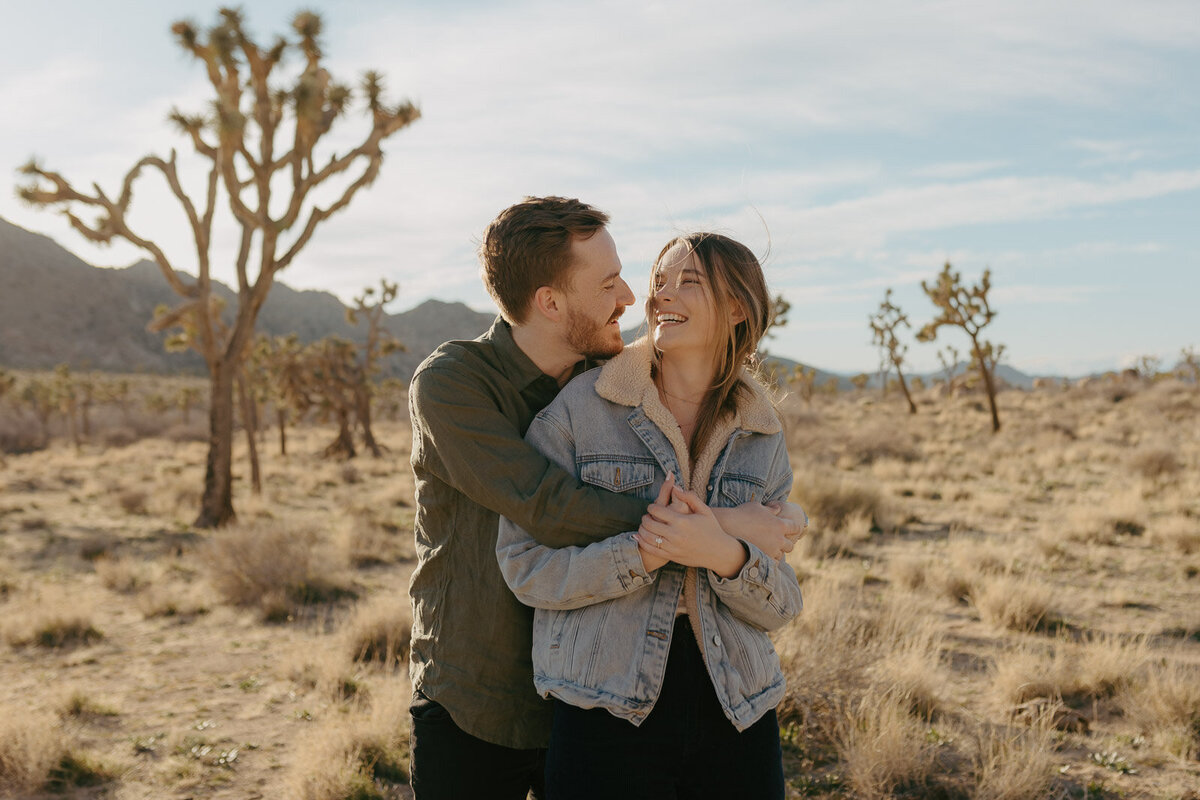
[625,379]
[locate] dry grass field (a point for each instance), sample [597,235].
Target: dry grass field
[1008,616]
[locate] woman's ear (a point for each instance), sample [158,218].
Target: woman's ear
[736,312]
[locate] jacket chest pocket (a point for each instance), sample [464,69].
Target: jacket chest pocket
[624,476]
[738,489]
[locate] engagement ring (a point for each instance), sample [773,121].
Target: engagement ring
[658,540]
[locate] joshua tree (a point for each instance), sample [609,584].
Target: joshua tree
[67,397]
[379,343]
[283,357]
[948,357]
[327,379]
[1189,362]
[1148,366]
[7,382]
[860,381]
[966,307]
[270,194]
[186,399]
[803,378]
[40,397]
[884,324]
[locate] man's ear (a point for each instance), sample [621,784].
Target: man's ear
[547,302]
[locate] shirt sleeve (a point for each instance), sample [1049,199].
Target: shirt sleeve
[765,593]
[569,577]
[466,441]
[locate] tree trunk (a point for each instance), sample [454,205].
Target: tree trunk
[249,423]
[362,397]
[912,407]
[990,386]
[85,418]
[216,507]
[343,445]
[281,417]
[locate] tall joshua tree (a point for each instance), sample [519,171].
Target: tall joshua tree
[966,307]
[884,324]
[270,193]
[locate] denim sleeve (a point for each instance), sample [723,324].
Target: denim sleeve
[570,577]
[481,453]
[765,593]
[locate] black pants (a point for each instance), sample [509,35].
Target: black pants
[686,748]
[450,764]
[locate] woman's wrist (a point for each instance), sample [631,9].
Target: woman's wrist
[732,558]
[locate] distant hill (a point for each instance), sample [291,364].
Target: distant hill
[56,308]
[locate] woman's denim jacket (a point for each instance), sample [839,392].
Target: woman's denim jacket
[602,625]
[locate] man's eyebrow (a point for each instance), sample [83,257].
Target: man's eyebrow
[611,276]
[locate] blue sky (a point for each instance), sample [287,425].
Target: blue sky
[859,145]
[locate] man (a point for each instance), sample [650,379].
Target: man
[479,727]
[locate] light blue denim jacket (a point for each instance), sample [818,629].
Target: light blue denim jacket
[602,626]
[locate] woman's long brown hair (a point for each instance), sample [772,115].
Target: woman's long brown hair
[735,279]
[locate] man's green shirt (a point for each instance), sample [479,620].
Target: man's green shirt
[470,403]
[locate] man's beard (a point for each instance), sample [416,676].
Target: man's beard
[589,339]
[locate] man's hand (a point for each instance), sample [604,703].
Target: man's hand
[774,528]
[687,533]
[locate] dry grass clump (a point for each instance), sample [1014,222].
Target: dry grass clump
[356,755]
[123,575]
[1177,532]
[1015,604]
[82,706]
[380,630]
[832,500]
[263,564]
[49,620]
[883,748]
[368,542]
[31,745]
[1165,703]
[1013,763]
[909,572]
[877,441]
[912,674]
[132,501]
[1155,462]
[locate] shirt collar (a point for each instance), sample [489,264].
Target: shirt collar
[516,366]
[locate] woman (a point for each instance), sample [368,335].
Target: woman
[654,643]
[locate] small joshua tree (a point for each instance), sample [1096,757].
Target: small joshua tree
[966,307]
[66,394]
[1189,364]
[379,343]
[259,147]
[884,324]
[804,379]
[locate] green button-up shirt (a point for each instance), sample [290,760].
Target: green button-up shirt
[470,403]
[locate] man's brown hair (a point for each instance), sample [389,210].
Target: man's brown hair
[528,246]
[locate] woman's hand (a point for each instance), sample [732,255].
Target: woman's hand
[652,560]
[687,532]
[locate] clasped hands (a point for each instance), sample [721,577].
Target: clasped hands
[680,527]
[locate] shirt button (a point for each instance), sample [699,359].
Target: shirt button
[752,572]
[717,641]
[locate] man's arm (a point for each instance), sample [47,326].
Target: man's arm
[480,452]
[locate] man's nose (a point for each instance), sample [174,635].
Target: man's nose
[627,297]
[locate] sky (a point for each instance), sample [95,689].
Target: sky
[855,146]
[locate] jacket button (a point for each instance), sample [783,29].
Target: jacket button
[717,641]
[752,572]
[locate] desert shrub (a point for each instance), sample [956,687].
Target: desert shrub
[1012,604]
[1014,763]
[122,575]
[18,437]
[880,440]
[831,500]
[80,706]
[78,770]
[351,756]
[191,432]
[51,621]
[908,572]
[380,631]
[1155,462]
[121,436]
[31,745]
[883,748]
[1179,533]
[132,501]
[1165,703]
[263,564]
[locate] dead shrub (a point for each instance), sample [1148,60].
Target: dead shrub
[1180,533]
[1155,462]
[263,564]
[122,575]
[1165,703]
[883,748]
[880,440]
[49,620]
[380,631]
[122,436]
[132,501]
[831,500]
[31,745]
[1014,763]
[1012,604]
